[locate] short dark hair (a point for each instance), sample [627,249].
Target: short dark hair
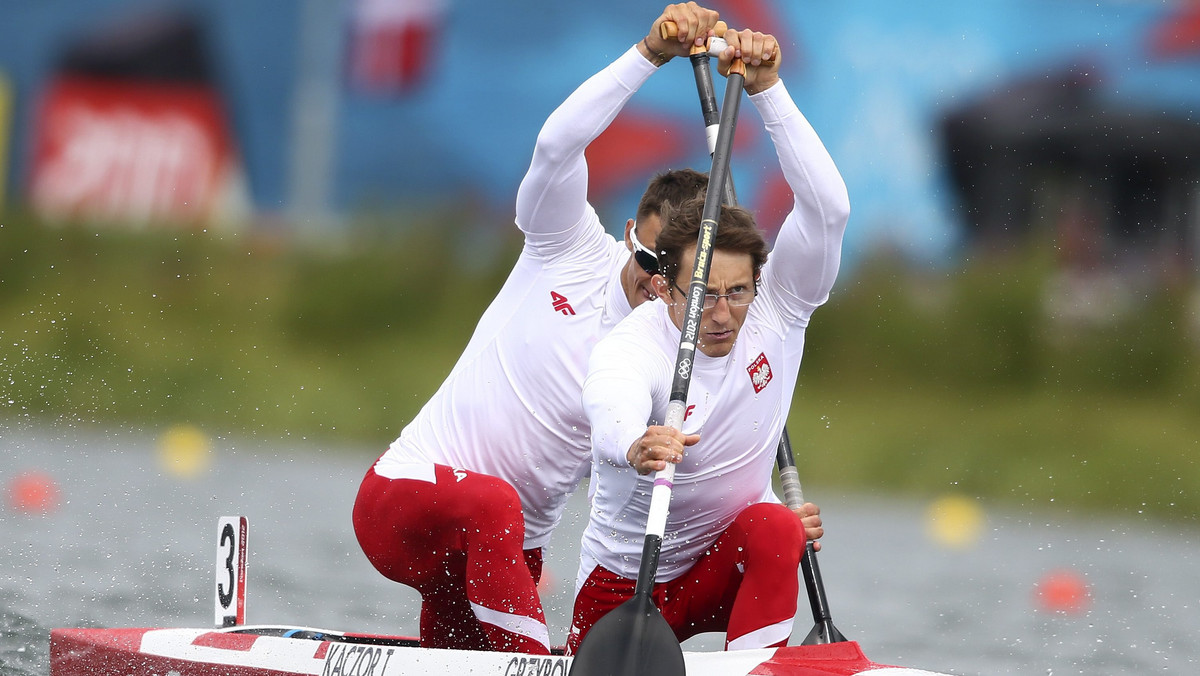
[671,187]
[737,232]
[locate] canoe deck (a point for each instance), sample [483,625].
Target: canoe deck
[267,651]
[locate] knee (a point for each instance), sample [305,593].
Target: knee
[496,495]
[494,509]
[773,529]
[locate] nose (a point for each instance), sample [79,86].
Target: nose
[720,312]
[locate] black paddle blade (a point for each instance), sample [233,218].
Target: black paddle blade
[633,639]
[822,633]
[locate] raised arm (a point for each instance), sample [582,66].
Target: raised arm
[804,262]
[807,253]
[552,198]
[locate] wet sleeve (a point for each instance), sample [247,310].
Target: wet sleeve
[801,268]
[618,396]
[552,199]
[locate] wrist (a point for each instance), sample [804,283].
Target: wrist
[760,87]
[654,57]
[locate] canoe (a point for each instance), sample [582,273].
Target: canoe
[280,651]
[234,648]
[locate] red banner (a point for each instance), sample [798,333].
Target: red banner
[132,152]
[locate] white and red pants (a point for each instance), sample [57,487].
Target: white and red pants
[456,537]
[744,585]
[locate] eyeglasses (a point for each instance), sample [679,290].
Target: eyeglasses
[644,257]
[739,297]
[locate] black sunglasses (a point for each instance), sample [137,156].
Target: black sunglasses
[644,257]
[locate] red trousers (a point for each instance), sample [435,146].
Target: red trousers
[458,541]
[744,585]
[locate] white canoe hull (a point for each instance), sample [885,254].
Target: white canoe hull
[240,651]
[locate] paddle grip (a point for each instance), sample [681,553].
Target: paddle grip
[793,495]
[715,46]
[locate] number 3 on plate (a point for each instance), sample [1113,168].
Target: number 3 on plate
[231,571]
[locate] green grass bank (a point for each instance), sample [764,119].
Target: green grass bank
[993,379]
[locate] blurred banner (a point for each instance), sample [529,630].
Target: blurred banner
[345,107]
[132,152]
[132,130]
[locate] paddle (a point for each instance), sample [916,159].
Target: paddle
[823,630]
[634,639]
[708,95]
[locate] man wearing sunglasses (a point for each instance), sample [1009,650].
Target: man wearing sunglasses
[730,551]
[460,505]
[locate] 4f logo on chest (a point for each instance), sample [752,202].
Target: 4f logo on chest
[760,372]
[561,304]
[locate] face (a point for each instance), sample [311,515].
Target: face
[719,325]
[634,279]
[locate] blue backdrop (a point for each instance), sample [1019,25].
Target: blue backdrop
[874,76]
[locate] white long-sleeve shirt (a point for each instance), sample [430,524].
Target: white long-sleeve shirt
[511,407]
[738,403]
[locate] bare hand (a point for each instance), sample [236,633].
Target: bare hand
[658,446]
[755,50]
[694,25]
[810,518]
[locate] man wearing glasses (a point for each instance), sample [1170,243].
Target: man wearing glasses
[730,552]
[460,505]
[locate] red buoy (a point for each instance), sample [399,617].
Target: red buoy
[33,493]
[1063,591]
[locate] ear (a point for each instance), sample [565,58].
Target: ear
[662,288]
[628,235]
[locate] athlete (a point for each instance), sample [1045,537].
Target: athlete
[460,505]
[730,551]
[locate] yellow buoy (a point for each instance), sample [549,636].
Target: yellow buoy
[184,451]
[955,521]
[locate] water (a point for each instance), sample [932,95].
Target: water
[132,545]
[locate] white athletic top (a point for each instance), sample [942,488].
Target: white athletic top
[510,407]
[739,403]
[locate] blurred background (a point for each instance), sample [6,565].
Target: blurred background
[277,222]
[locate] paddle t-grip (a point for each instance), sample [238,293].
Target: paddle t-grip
[716,44]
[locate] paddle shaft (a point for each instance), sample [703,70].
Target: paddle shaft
[712,116]
[660,498]
[823,630]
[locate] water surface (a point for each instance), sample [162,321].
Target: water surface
[133,545]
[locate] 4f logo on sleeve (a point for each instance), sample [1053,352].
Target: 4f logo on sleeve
[760,372]
[561,304]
